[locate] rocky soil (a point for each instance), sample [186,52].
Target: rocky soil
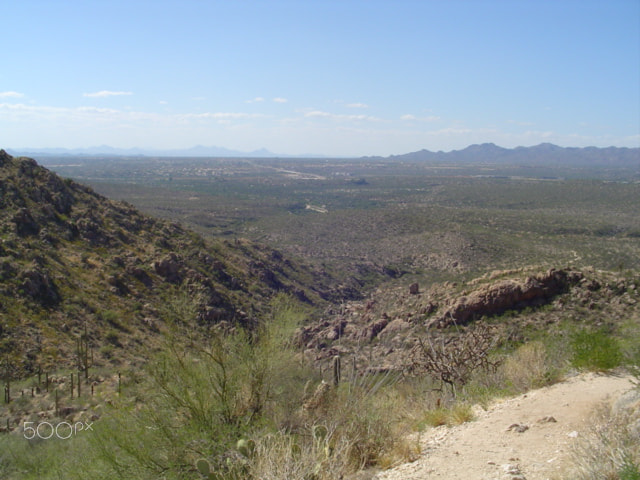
[527,437]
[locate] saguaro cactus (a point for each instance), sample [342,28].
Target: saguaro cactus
[7,380]
[336,370]
[84,353]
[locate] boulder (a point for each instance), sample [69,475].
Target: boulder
[170,268]
[25,224]
[394,328]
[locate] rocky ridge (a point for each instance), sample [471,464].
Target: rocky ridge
[380,331]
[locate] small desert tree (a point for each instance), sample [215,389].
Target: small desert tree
[453,359]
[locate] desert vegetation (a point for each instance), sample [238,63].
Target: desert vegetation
[246,404]
[438,221]
[291,342]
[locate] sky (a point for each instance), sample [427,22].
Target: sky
[330,77]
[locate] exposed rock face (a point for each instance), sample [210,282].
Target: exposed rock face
[37,285]
[25,224]
[395,327]
[170,267]
[92,231]
[372,330]
[507,295]
[266,275]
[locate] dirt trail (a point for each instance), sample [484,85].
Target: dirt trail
[488,449]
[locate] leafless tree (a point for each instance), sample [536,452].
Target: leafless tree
[453,359]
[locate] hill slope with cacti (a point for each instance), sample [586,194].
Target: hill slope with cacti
[73,261]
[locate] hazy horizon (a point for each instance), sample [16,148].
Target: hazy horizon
[349,78]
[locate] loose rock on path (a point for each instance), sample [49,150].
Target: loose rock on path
[528,437]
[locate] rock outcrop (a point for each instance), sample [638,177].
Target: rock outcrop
[170,268]
[507,295]
[38,285]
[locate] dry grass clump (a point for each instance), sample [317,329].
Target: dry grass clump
[610,449]
[527,368]
[344,429]
[457,414]
[280,455]
[530,366]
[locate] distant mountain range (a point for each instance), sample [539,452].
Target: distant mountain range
[543,154]
[197,151]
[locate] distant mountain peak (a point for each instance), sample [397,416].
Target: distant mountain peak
[542,154]
[484,147]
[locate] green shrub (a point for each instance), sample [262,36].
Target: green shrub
[200,398]
[113,318]
[107,350]
[595,350]
[630,471]
[113,338]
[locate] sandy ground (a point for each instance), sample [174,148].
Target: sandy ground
[488,449]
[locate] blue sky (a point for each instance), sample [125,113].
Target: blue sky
[347,77]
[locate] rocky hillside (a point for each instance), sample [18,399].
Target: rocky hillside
[380,332]
[72,261]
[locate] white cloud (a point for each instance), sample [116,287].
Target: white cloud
[106,93]
[11,95]
[280,100]
[539,134]
[256,100]
[307,130]
[109,111]
[357,105]
[521,124]
[221,115]
[317,113]
[455,131]
[21,107]
[412,118]
[42,112]
[335,116]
